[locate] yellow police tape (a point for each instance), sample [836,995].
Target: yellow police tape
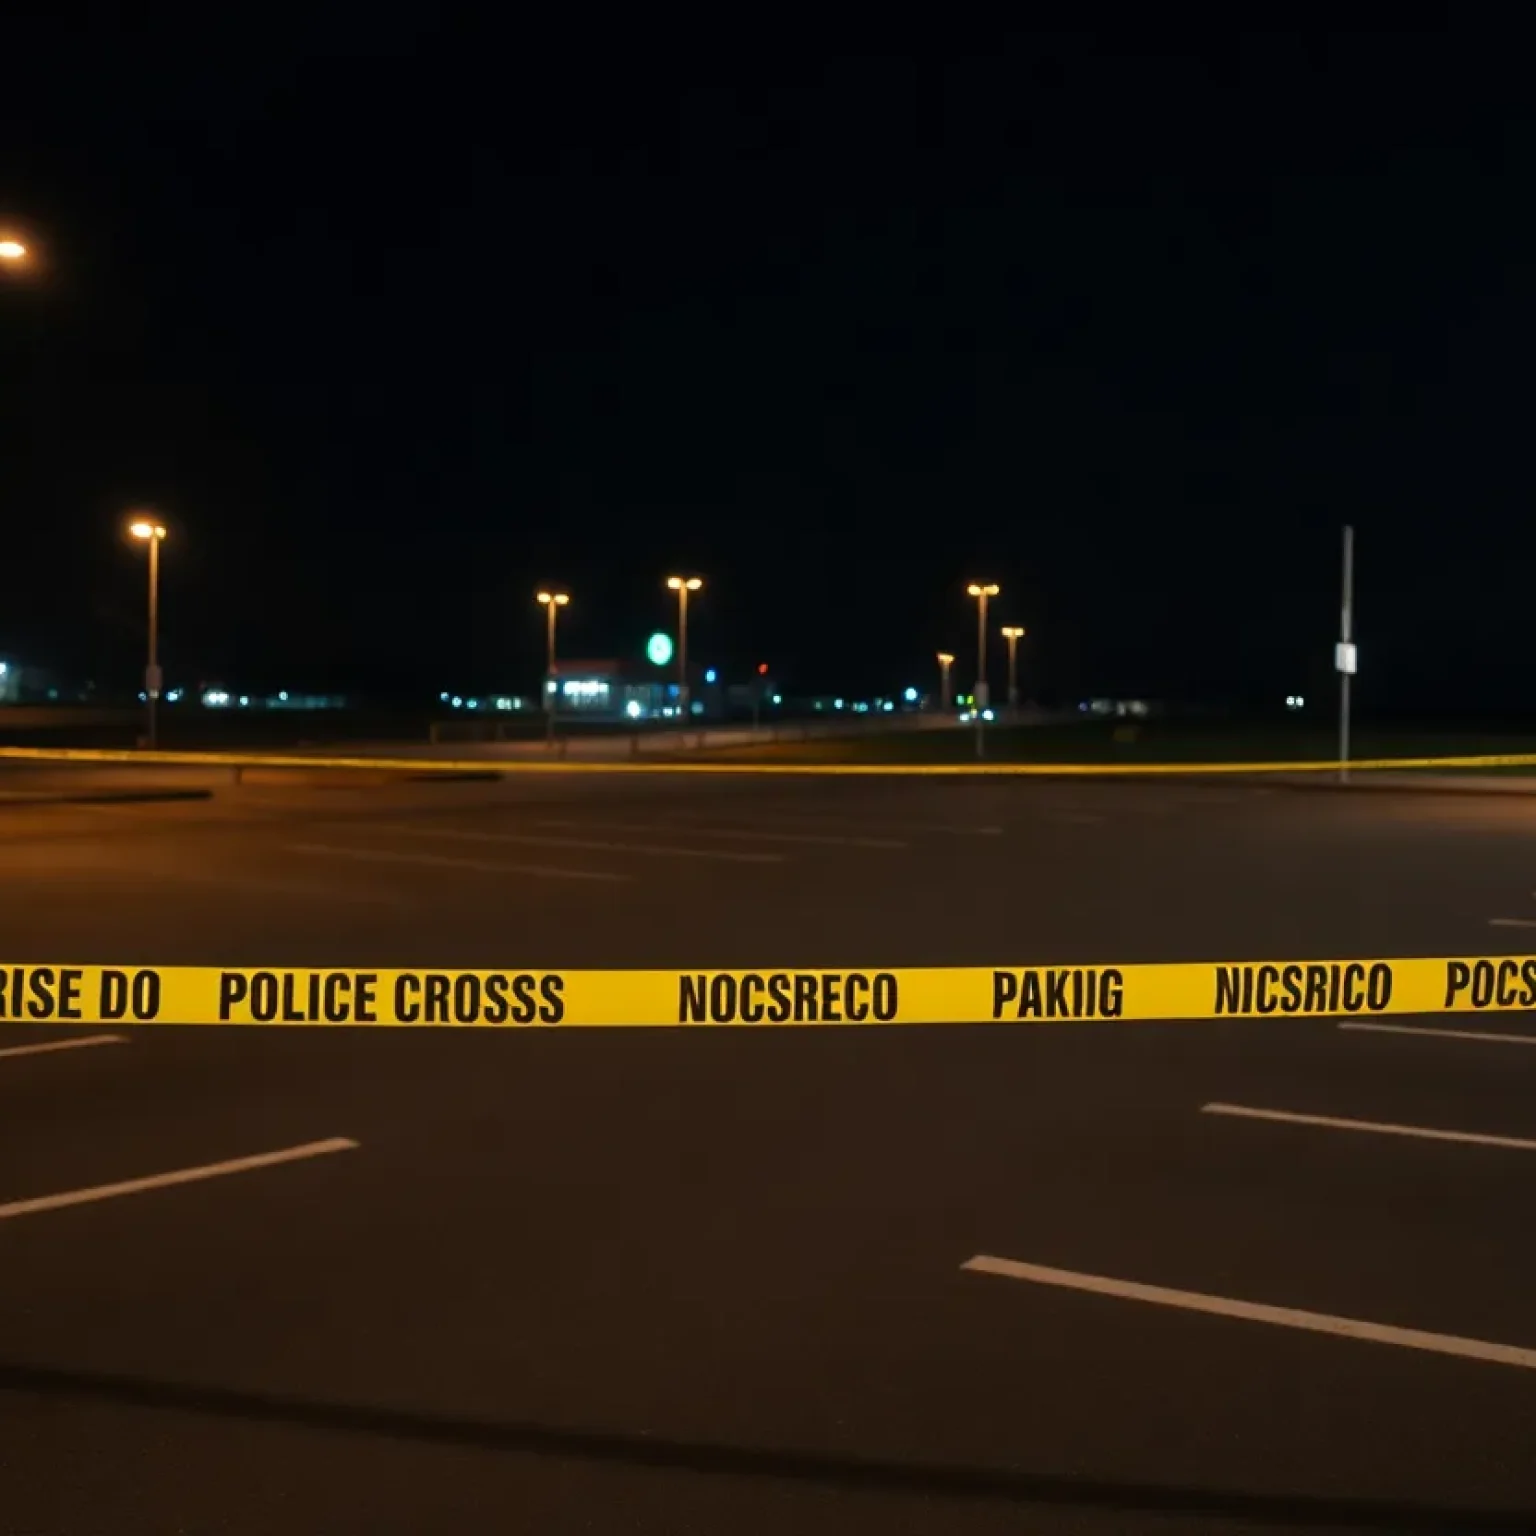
[675,765]
[84,994]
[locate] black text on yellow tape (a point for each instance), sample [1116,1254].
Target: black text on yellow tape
[1354,986]
[397,997]
[788,997]
[69,994]
[1059,992]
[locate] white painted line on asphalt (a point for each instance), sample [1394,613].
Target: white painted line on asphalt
[658,850]
[894,823]
[1379,1127]
[734,833]
[176,1176]
[1443,1034]
[63,1045]
[260,885]
[435,861]
[1512,922]
[1257,1312]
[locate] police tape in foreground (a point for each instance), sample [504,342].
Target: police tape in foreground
[83,994]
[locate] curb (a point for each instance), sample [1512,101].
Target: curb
[9,798]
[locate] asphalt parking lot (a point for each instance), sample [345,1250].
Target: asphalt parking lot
[1098,1277]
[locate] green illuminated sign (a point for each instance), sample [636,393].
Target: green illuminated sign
[658,649]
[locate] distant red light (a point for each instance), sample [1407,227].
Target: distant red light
[762,669]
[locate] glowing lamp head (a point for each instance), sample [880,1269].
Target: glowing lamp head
[141,529]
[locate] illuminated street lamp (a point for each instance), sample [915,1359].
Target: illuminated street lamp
[981,591]
[152,533]
[12,250]
[946,661]
[1013,633]
[683,585]
[553,602]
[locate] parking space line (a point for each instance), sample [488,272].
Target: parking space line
[1443,1034]
[658,850]
[176,1176]
[790,819]
[1512,922]
[739,834]
[1379,1127]
[262,886]
[1257,1312]
[63,1045]
[437,861]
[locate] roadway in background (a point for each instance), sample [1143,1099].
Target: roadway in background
[683,1281]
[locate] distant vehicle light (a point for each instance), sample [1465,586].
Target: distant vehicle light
[888,706]
[709,675]
[965,716]
[987,714]
[778,698]
[634,709]
[910,695]
[458,703]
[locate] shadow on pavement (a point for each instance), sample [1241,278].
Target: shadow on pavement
[718,1460]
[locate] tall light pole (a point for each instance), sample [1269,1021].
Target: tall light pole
[152,533]
[981,591]
[683,585]
[553,602]
[1013,633]
[946,661]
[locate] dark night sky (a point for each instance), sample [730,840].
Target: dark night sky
[395,313]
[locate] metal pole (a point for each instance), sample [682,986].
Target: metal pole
[981,647]
[1013,674]
[944,686]
[1346,636]
[981,672]
[152,673]
[551,684]
[682,648]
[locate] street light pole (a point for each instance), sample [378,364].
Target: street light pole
[152,534]
[1013,633]
[1344,658]
[946,661]
[683,585]
[553,602]
[981,591]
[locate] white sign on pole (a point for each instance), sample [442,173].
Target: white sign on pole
[1344,658]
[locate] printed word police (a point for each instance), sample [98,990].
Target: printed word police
[1058,992]
[788,997]
[1354,987]
[1490,983]
[59,993]
[410,997]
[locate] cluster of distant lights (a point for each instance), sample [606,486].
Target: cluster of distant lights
[213,698]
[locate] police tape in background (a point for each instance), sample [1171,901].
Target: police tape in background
[700,762]
[54,994]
